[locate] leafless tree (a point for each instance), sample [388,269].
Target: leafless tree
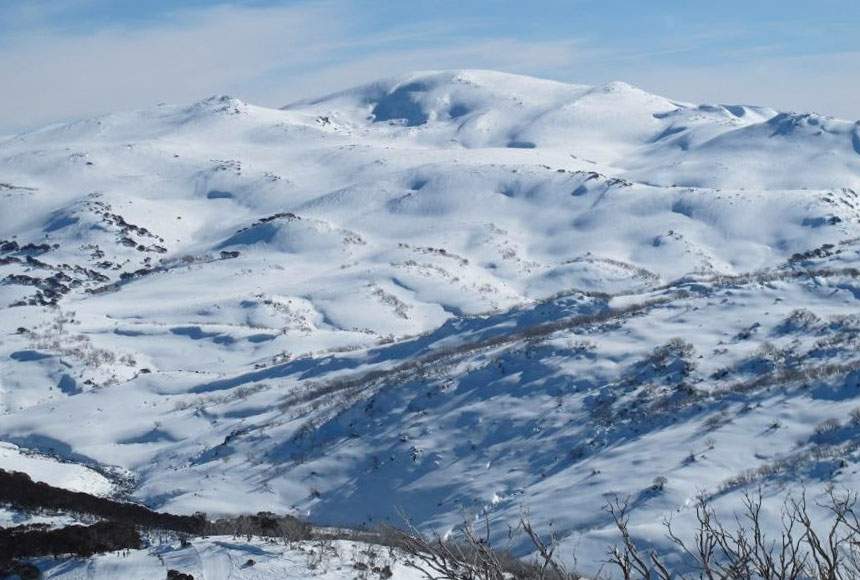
[800,550]
[471,556]
[801,547]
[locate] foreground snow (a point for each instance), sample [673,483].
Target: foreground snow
[220,558]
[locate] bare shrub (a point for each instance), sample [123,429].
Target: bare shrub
[799,550]
[716,421]
[827,427]
[470,555]
[582,346]
[768,352]
[676,350]
[799,319]
[321,553]
[373,562]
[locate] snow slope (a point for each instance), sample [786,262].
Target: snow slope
[224,557]
[447,293]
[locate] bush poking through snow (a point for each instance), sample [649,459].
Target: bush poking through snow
[743,550]
[470,555]
[801,550]
[799,320]
[827,427]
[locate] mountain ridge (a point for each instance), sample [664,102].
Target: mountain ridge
[450,292]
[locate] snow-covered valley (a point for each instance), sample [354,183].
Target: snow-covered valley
[451,294]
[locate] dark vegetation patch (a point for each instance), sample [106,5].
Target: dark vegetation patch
[823,251]
[38,540]
[121,526]
[59,279]
[23,493]
[284,215]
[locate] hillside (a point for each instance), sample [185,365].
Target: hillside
[450,293]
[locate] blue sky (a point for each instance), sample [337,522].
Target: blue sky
[73,58]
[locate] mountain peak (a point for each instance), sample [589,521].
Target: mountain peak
[219,104]
[619,87]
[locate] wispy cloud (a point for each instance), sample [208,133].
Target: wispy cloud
[59,67]
[270,55]
[507,54]
[55,74]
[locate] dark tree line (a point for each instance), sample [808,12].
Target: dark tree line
[120,529]
[23,493]
[28,541]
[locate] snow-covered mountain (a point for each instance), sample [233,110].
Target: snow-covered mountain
[448,293]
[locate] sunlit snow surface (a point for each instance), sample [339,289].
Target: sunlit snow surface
[222,557]
[445,294]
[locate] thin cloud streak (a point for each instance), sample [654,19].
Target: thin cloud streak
[268,55]
[277,54]
[58,76]
[511,55]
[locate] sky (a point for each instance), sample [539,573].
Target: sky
[68,59]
